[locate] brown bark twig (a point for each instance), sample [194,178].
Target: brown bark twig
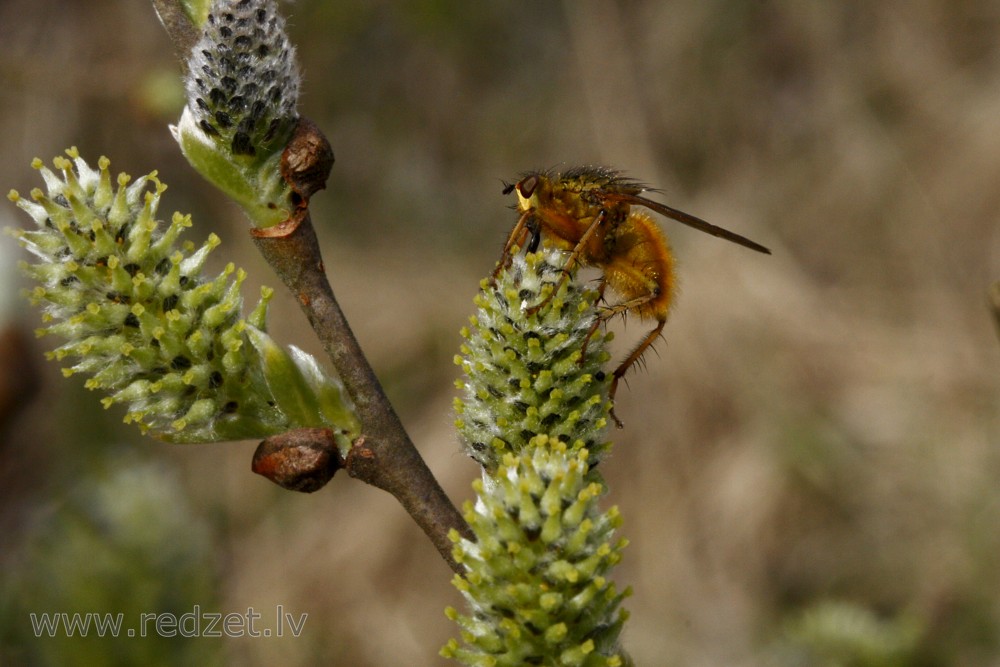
[384,456]
[182,33]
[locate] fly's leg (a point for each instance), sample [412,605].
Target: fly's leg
[598,321]
[518,236]
[574,258]
[621,309]
[629,361]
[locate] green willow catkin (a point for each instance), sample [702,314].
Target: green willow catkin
[527,375]
[243,82]
[535,414]
[242,87]
[137,316]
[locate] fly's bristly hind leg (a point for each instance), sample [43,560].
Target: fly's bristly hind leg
[630,361]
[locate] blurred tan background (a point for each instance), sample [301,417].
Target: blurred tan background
[812,456]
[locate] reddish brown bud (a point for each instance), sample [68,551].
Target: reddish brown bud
[303,459]
[307,160]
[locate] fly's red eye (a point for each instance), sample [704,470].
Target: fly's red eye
[527,186]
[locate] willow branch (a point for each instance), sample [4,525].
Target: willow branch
[183,34]
[226,132]
[384,456]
